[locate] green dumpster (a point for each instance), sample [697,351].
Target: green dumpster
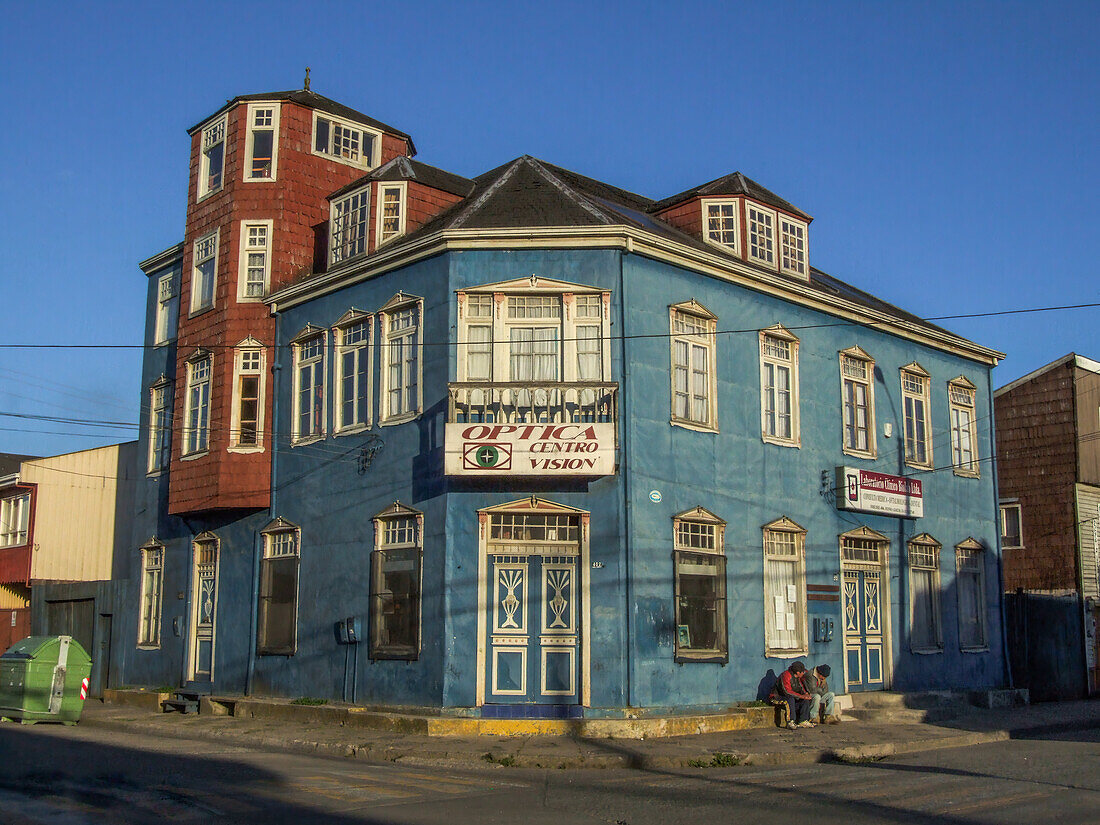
[44,679]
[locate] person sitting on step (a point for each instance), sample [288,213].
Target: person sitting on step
[822,700]
[790,690]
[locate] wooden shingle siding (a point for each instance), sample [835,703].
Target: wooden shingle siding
[1037,464]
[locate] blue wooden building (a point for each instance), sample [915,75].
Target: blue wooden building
[541,446]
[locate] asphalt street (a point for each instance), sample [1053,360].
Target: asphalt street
[78,776]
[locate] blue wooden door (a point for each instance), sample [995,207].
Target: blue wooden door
[863,633]
[533,626]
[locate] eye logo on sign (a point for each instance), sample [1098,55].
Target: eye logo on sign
[486,456]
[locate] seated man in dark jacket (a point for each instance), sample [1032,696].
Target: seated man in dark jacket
[816,684]
[789,689]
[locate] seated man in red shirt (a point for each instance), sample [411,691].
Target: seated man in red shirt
[791,690]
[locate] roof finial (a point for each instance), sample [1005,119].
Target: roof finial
[307,78]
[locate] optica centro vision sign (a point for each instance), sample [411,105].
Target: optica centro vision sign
[870,492]
[530,449]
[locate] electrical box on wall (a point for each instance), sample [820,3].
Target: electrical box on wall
[823,629]
[349,631]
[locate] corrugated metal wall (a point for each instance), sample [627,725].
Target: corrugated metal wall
[82,511]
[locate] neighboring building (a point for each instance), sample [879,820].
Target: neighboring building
[1048,472]
[63,522]
[546,442]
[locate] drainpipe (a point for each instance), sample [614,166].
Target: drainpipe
[1005,660]
[625,513]
[257,549]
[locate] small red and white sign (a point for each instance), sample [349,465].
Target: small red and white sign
[870,492]
[84,689]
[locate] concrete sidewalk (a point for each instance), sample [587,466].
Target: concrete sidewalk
[849,741]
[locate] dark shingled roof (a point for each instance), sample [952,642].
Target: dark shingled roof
[735,184]
[403,168]
[9,462]
[528,192]
[313,101]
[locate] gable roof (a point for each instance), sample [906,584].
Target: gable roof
[733,184]
[1073,358]
[403,168]
[313,100]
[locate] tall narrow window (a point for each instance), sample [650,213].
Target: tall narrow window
[197,434]
[391,211]
[914,393]
[263,141]
[15,517]
[348,226]
[401,360]
[248,402]
[784,588]
[964,436]
[589,343]
[761,225]
[309,380]
[212,160]
[353,373]
[167,310]
[479,337]
[278,626]
[204,272]
[345,141]
[152,578]
[255,260]
[970,582]
[720,224]
[779,386]
[699,560]
[857,388]
[1012,530]
[396,565]
[925,633]
[535,337]
[793,247]
[160,425]
[693,369]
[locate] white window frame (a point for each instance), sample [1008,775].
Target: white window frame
[851,360]
[700,533]
[912,377]
[160,426]
[924,553]
[692,332]
[251,233]
[770,338]
[959,389]
[150,605]
[361,352]
[773,237]
[397,351]
[166,319]
[397,529]
[785,533]
[330,151]
[970,559]
[254,109]
[196,421]
[716,230]
[794,254]
[213,135]
[249,359]
[381,234]
[348,226]
[281,541]
[15,520]
[317,362]
[1004,508]
[208,246]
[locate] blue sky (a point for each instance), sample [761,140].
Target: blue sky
[946,150]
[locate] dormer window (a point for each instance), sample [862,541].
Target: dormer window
[761,224]
[792,247]
[721,225]
[212,162]
[348,225]
[345,141]
[263,144]
[391,211]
